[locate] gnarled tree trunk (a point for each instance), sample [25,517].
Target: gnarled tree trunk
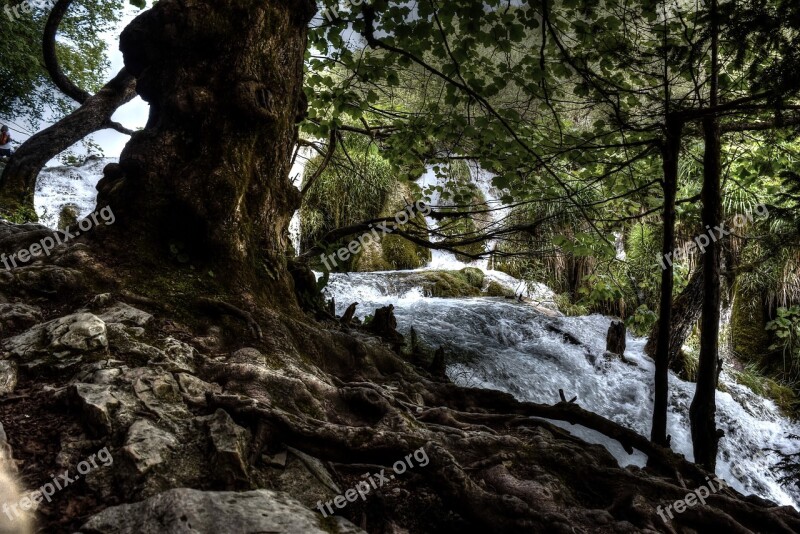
[208,178]
[685,312]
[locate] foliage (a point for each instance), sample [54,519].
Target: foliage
[641,321]
[786,327]
[26,89]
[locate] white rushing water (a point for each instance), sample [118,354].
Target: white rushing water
[57,187]
[513,348]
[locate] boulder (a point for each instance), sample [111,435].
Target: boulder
[180,511]
[147,445]
[68,336]
[97,404]
[125,314]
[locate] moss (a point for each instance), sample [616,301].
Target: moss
[690,361]
[453,284]
[748,323]
[764,386]
[569,308]
[496,289]
[22,215]
[400,253]
[474,276]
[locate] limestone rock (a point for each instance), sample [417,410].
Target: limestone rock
[147,445]
[125,314]
[228,443]
[8,377]
[196,388]
[97,403]
[180,511]
[74,334]
[18,316]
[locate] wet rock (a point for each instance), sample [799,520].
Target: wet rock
[68,216]
[147,445]
[77,333]
[204,512]
[8,377]
[97,404]
[384,324]
[228,443]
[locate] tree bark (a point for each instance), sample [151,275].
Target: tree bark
[670,151]
[705,438]
[18,182]
[686,311]
[209,175]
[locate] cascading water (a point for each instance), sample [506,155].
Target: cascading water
[506,345]
[511,347]
[57,187]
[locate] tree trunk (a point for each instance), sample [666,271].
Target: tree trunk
[705,439]
[670,152]
[208,178]
[18,182]
[686,311]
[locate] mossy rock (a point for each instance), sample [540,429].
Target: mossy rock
[748,323]
[495,289]
[453,284]
[401,253]
[393,252]
[474,276]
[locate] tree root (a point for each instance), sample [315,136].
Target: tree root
[225,308]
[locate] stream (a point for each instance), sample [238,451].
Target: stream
[510,346]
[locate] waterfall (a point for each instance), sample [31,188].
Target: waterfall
[57,187]
[509,346]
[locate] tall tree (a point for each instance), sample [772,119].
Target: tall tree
[705,437]
[209,175]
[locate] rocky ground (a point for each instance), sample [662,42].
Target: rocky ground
[172,418]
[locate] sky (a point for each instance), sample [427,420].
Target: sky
[133,115]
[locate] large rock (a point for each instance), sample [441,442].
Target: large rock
[59,339]
[97,403]
[18,316]
[125,314]
[147,445]
[188,511]
[228,442]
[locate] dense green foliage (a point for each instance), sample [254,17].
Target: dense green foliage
[26,89]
